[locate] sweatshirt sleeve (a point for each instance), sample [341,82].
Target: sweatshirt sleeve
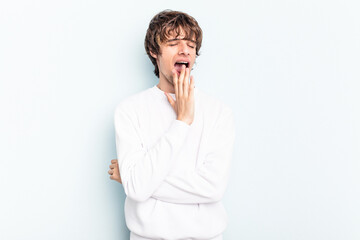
[141,170]
[208,182]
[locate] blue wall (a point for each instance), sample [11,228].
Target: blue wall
[289,69]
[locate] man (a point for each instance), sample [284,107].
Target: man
[174,143]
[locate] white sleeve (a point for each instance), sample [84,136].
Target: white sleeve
[141,170]
[208,182]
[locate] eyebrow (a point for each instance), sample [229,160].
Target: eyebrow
[176,39]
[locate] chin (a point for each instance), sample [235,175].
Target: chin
[170,80]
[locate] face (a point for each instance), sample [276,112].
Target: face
[173,52]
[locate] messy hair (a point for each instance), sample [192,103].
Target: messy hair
[163,24]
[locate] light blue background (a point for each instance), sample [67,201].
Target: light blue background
[289,69]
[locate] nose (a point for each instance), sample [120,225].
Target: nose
[184,48]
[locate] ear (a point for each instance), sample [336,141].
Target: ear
[153,54]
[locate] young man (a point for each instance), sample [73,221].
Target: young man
[174,143]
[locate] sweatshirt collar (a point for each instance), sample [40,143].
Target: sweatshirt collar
[161,94]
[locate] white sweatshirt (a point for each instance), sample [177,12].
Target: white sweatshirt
[174,174]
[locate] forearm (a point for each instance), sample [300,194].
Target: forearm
[141,170]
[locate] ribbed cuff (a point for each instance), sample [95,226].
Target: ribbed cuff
[179,129]
[177,133]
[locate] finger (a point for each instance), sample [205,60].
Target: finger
[110,172]
[181,79]
[175,82]
[114,161]
[170,99]
[186,82]
[112,166]
[192,85]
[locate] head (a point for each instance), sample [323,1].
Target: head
[172,37]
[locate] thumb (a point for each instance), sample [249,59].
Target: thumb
[170,99]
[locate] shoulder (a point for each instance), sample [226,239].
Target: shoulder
[133,102]
[213,104]
[218,114]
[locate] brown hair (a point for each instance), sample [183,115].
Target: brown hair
[163,24]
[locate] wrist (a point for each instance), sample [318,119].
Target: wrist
[184,120]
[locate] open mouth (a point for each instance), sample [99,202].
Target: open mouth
[178,66]
[182,63]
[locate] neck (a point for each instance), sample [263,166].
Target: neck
[165,84]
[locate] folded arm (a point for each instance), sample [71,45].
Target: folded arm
[208,182]
[141,170]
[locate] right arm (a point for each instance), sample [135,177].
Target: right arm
[143,171]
